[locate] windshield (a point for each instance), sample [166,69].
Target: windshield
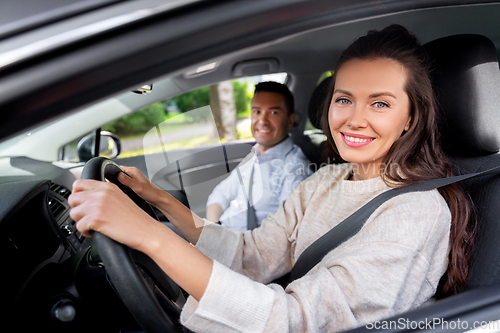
[7,144]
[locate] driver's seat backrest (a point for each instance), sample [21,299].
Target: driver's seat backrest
[466,80]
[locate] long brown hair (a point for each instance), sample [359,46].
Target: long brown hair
[417,153]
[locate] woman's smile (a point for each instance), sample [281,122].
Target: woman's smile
[356,140]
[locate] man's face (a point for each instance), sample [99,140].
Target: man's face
[270,119]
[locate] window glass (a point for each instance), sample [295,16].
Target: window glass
[183,121]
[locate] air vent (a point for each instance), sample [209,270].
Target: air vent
[61,190]
[57,199]
[55,206]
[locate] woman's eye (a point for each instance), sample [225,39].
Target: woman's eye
[380,105]
[342,100]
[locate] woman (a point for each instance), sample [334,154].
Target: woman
[380,117]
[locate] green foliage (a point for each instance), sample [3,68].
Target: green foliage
[191,100]
[201,97]
[143,120]
[242,97]
[138,122]
[324,76]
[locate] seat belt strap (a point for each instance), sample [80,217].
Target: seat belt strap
[353,223]
[251,217]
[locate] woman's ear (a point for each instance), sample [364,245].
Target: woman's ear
[407,127]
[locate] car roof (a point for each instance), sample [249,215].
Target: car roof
[24,15]
[107,47]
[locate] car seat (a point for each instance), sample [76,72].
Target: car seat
[311,142]
[466,80]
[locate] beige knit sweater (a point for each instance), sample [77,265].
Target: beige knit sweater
[392,265]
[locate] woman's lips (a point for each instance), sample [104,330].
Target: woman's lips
[356,140]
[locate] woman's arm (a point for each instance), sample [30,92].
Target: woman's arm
[187,222]
[103,207]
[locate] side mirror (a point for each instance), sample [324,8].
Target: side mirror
[109,146]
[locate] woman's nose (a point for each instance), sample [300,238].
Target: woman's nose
[357,118]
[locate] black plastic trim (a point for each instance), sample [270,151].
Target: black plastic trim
[52,16]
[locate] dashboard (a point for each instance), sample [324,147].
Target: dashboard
[52,275]
[59,208]
[35,227]
[47,265]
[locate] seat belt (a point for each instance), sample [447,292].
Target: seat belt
[354,222]
[251,217]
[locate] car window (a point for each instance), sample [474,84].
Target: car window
[187,120]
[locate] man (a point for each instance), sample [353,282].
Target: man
[270,172]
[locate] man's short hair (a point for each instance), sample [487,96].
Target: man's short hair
[275,87]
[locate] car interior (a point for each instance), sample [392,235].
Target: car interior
[54,271]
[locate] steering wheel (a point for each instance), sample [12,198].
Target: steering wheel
[142,293]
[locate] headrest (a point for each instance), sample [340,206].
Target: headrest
[317,101]
[466,80]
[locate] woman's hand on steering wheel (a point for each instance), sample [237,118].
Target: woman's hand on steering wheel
[103,207]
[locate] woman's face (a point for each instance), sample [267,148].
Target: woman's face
[369,109]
